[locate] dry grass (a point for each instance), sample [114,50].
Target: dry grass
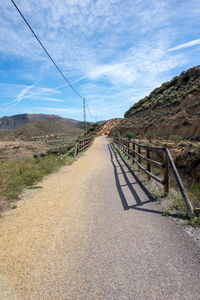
[17,150]
[17,175]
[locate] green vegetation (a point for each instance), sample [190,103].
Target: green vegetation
[166,213]
[178,205]
[130,135]
[194,222]
[34,187]
[50,146]
[93,129]
[115,134]
[17,175]
[194,191]
[176,138]
[169,94]
[156,171]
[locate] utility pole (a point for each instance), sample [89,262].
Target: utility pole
[84,118]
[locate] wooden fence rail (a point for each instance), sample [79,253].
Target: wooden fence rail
[82,144]
[143,154]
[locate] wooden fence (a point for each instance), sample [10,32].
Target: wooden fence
[144,154]
[82,144]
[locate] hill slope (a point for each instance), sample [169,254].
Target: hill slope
[14,122]
[173,108]
[106,127]
[41,128]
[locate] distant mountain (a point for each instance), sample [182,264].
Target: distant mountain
[171,109]
[40,129]
[101,122]
[14,122]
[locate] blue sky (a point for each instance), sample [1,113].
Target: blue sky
[114,52]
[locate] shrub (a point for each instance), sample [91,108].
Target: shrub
[116,134]
[130,135]
[179,206]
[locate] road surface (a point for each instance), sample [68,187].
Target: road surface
[94,232]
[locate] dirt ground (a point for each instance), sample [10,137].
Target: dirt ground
[15,150]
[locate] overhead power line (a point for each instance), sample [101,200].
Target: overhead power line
[59,70]
[46,50]
[89,109]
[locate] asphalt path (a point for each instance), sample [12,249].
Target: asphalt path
[94,232]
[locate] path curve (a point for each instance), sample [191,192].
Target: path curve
[93,232]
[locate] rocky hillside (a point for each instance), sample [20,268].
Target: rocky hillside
[14,122]
[171,109]
[106,127]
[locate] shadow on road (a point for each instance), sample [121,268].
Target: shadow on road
[120,169]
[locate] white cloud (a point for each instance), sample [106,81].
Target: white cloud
[185,45]
[20,97]
[34,92]
[42,98]
[115,73]
[114,52]
[143,65]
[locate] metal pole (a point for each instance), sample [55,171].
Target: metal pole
[84,118]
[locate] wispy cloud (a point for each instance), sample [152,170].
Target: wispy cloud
[35,93]
[145,64]
[47,99]
[20,97]
[185,45]
[117,72]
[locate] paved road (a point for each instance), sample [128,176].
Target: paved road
[93,232]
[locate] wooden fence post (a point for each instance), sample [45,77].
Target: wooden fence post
[128,149]
[76,148]
[168,161]
[166,172]
[139,158]
[148,163]
[133,153]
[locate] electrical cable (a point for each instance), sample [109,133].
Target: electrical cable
[89,109]
[46,50]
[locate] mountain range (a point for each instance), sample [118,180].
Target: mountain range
[14,122]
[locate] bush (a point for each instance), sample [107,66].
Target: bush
[116,134]
[130,135]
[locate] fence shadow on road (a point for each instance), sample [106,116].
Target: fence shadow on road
[119,163]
